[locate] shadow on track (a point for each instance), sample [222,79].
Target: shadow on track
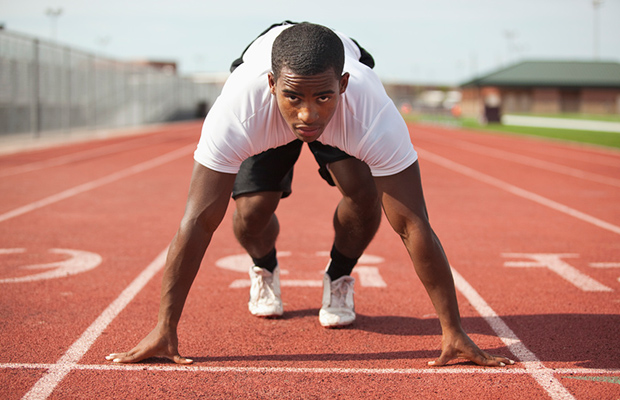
[588,340]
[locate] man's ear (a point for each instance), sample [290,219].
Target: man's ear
[344,82]
[272,82]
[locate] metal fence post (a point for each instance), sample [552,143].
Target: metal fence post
[35,114]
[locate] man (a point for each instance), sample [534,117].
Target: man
[304,83]
[266,177]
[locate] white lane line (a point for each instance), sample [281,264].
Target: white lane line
[68,362]
[87,154]
[526,160]
[155,162]
[542,375]
[57,372]
[68,158]
[555,263]
[462,169]
[307,370]
[605,265]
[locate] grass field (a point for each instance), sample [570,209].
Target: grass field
[608,139]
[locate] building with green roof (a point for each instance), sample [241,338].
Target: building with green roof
[589,87]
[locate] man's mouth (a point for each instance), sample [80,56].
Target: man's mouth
[308,131]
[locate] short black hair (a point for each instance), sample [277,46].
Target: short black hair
[307,49]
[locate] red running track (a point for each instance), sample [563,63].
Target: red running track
[531,228]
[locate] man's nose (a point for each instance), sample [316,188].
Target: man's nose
[308,114]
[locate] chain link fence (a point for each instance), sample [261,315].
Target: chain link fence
[46,87]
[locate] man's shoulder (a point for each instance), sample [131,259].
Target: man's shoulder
[247,79]
[364,84]
[245,91]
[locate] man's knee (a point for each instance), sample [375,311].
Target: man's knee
[364,200]
[254,211]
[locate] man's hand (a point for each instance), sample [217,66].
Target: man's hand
[461,346]
[155,344]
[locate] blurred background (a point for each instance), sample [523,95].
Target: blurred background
[69,65]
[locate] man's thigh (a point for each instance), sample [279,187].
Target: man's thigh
[270,171]
[326,155]
[354,180]
[349,174]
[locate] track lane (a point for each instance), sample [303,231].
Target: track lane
[393,331]
[554,150]
[567,166]
[595,194]
[236,332]
[54,180]
[105,220]
[543,306]
[35,160]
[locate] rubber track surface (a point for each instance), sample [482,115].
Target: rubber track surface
[531,228]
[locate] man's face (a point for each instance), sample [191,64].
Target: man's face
[307,103]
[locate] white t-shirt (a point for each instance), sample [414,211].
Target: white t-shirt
[245,119]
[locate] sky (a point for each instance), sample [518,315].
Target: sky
[412,41]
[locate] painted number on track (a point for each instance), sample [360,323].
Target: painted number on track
[79,261]
[558,264]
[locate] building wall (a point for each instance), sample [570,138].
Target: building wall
[545,100]
[471,102]
[402,93]
[517,100]
[600,101]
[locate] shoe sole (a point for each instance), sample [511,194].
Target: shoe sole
[336,326]
[272,315]
[340,326]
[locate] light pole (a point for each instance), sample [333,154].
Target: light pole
[53,13]
[596,5]
[510,36]
[103,41]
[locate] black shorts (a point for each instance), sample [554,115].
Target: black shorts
[272,170]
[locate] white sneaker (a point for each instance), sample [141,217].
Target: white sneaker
[265,298]
[338,307]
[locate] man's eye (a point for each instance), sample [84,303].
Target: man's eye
[324,99]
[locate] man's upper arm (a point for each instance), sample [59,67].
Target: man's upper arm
[209,194]
[402,197]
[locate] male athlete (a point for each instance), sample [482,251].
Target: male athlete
[295,84]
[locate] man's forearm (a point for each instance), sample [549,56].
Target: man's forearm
[208,198]
[182,264]
[433,269]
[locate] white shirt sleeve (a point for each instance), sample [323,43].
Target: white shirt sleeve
[387,147]
[223,142]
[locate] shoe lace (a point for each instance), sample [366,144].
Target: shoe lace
[264,288]
[340,292]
